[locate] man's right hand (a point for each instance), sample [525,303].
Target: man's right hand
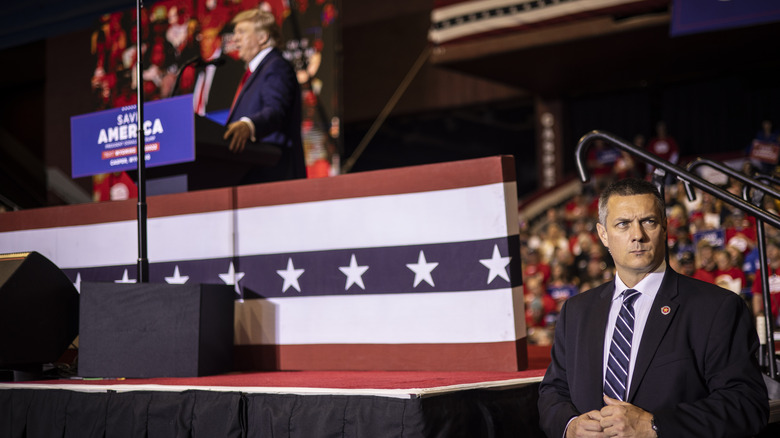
[239,133]
[586,425]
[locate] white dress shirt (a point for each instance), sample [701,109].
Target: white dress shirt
[649,288]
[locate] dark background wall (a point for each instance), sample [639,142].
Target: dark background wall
[447,113]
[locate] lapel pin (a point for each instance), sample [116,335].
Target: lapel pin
[665,310]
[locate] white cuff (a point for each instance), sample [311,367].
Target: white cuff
[251,124]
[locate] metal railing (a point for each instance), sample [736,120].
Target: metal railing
[757,199]
[690,180]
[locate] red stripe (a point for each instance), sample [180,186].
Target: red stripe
[415,179]
[499,357]
[86,214]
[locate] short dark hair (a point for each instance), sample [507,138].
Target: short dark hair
[629,187]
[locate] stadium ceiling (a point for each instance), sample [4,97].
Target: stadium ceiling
[23,22]
[606,53]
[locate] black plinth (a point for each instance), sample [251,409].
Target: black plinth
[155,330]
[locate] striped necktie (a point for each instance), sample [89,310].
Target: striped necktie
[620,350]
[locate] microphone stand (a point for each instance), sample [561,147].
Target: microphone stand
[195,60]
[143,260]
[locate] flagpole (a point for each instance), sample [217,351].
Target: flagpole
[143,261]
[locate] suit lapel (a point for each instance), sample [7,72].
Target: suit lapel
[596,330]
[266,60]
[661,315]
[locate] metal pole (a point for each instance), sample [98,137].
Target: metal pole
[385,113]
[143,261]
[761,189]
[687,177]
[768,329]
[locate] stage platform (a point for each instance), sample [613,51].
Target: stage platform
[305,404]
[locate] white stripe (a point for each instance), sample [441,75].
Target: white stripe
[613,389]
[181,237]
[86,245]
[446,317]
[619,332]
[464,214]
[620,350]
[617,379]
[614,362]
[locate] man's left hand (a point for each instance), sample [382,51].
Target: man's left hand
[238,133]
[625,420]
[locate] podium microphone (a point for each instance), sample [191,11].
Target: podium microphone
[216,62]
[199,62]
[196,62]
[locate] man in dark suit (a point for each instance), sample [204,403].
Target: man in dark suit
[267,105]
[691,360]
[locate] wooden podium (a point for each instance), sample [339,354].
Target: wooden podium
[215,166]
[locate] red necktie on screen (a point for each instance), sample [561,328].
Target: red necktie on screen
[240,86]
[200,107]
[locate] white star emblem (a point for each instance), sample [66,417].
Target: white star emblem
[232,277]
[290,276]
[177,278]
[354,273]
[125,279]
[422,270]
[77,284]
[497,265]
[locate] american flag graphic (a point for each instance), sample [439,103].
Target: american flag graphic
[414,268]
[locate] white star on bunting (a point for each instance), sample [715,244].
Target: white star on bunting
[422,270]
[497,265]
[290,276]
[77,284]
[125,279]
[232,277]
[177,278]
[354,273]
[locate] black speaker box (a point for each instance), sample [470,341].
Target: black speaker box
[155,330]
[39,311]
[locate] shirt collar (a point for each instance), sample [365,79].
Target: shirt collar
[648,286]
[258,59]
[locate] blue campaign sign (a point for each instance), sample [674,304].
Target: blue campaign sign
[105,141]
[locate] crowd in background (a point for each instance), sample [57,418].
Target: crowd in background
[173,32]
[707,238]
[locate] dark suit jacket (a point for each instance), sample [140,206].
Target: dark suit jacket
[271,98]
[696,369]
[223,84]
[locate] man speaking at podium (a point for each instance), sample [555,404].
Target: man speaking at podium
[267,105]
